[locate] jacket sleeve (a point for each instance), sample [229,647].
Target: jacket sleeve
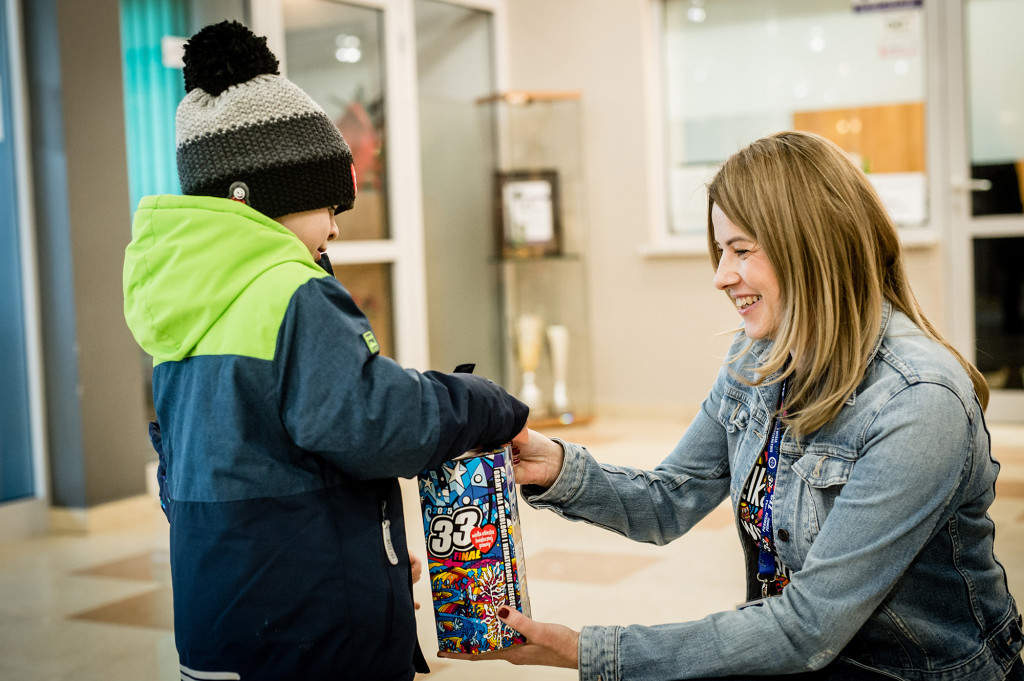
[362,411]
[654,506]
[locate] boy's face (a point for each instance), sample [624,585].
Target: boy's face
[313,227]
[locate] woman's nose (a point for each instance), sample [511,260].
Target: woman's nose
[726,275]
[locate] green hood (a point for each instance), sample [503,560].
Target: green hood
[204,275]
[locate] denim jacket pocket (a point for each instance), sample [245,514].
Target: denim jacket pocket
[824,473]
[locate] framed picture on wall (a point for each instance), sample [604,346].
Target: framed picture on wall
[529,221]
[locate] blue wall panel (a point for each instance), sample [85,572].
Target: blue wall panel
[16,477]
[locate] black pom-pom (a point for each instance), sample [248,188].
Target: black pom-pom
[226,54]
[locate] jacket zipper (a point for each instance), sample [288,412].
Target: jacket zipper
[385,526]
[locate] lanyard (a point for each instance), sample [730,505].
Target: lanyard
[766,560]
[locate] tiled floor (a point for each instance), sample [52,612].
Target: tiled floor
[95,607]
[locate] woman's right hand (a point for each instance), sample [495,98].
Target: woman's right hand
[537,459]
[550,645]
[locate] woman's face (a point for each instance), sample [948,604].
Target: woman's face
[314,227]
[745,273]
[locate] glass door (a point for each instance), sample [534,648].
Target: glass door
[987,244]
[455,67]
[399,78]
[353,58]
[335,52]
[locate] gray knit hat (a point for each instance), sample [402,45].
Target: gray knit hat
[242,122]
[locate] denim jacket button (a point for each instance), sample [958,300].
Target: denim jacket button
[783,535]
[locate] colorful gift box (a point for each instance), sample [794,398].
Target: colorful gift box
[474,550]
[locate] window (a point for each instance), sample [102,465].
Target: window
[736,70]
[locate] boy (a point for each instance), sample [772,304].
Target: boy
[281,428]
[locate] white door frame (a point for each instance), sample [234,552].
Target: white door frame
[952,190]
[404,249]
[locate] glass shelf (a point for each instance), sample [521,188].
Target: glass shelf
[544,294]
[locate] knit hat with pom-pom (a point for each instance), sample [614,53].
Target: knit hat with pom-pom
[248,133]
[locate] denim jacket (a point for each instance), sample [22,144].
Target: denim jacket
[881,515]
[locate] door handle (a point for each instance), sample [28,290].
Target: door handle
[971,185]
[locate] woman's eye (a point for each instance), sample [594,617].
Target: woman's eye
[741,253]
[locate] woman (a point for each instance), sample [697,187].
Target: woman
[841,411]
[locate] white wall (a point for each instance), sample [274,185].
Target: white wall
[657,323]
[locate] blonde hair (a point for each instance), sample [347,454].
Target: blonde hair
[837,257]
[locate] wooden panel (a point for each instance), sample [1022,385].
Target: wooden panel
[368,219]
[1020,178]
[886,139]
[370,286]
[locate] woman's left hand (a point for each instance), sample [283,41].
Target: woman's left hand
[550,645]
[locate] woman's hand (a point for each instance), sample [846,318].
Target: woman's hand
[550,645]
[537,459]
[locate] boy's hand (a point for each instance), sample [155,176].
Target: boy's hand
[550,645]
[416,568]
[537,459]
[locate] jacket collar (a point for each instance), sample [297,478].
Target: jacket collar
[883,328]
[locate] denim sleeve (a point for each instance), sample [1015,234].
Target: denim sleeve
[647,506]
[914,457]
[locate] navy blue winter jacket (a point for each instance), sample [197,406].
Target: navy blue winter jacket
[283,433]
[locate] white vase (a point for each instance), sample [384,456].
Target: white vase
[558,342]
[529,344]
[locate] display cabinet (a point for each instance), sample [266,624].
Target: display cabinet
[539,225]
